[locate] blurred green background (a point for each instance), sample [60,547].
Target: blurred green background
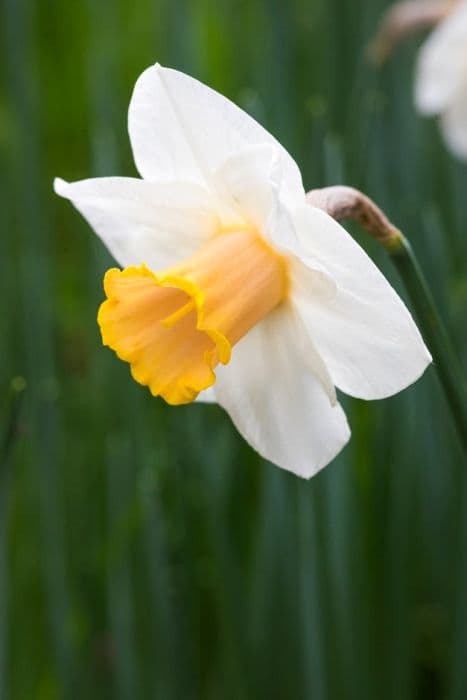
[146,551]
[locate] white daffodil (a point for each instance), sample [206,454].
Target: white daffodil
[441,78]
[234,289]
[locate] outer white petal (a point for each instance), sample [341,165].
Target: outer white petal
[207,396]
[442,63]
[363,331]
[247,183]
[182,130]
[276,402]
[454,124]
[140,221]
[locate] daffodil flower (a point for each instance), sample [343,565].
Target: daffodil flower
[233,288]
[441,78]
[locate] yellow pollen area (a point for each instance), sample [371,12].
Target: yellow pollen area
[174,327]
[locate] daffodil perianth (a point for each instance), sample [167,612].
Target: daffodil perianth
[233,288]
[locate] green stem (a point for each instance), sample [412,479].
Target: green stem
[11,425]
[444,357]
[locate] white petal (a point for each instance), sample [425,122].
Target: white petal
[276,402]
[247,183]
[182,130]
[454,124]
[140,221]
[363,331]
[442,63]
[207,396]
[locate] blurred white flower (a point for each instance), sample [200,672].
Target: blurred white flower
[264,304]
[402,19]
[441,78]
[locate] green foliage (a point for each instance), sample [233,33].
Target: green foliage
[146,551]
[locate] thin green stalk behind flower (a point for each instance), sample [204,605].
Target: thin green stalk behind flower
[18,385]
[447,365]
[7,445]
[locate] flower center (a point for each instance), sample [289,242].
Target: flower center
[175,326]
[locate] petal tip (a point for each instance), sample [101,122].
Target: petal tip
[60,186]
[314,467]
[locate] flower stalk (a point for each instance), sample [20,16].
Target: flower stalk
[10,432]
[436,337]
[348,203]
